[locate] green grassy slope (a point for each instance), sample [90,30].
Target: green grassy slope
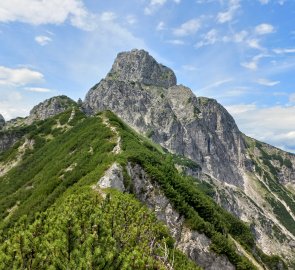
[50,188]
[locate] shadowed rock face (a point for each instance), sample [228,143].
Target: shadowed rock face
[139,66]
[145,95]
[2,121]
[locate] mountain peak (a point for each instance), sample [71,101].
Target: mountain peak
[140,66]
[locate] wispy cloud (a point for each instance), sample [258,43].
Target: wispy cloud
[188,28]
[209,38]
[131,19]
[160,26]
[153,6]
[228,15]
[19,76]
[267,82]
[189,67]
[254,43]
[292,98]
[176,41]
[241,108]
[38,89]
[253,64]
[108,16]
[264,28]
[284,51]
[216,84]
[263,2]
[42,40]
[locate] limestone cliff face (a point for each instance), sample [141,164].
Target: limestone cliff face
[145,95]
[49,108]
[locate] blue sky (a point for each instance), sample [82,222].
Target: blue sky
[240,52]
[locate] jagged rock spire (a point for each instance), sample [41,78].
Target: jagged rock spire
[139,66]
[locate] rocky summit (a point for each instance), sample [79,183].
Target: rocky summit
[139,66]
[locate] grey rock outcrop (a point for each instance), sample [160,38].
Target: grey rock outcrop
[8,139]
[139,66]
[50,107]
[2,121]
[172,115]
[113,178]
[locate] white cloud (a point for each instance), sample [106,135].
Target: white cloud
[240,36]
[264,2]
[131,19]
[284,51]
[43,40]
[264,28]
[176,41]
[241,108]
[188,28]
[216,84]
[160,26]
[267,82]
[236,37]
[153,6]
[274,125]
[38,89]
[19,76]
[189,68]
[253,64]
[254,43]
[177,1]
[108,16]
[292,98]
[250,65]
[228,15]
[209,38]
[39,12]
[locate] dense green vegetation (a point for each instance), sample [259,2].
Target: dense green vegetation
[49,215]
[54,165]
[83,231]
